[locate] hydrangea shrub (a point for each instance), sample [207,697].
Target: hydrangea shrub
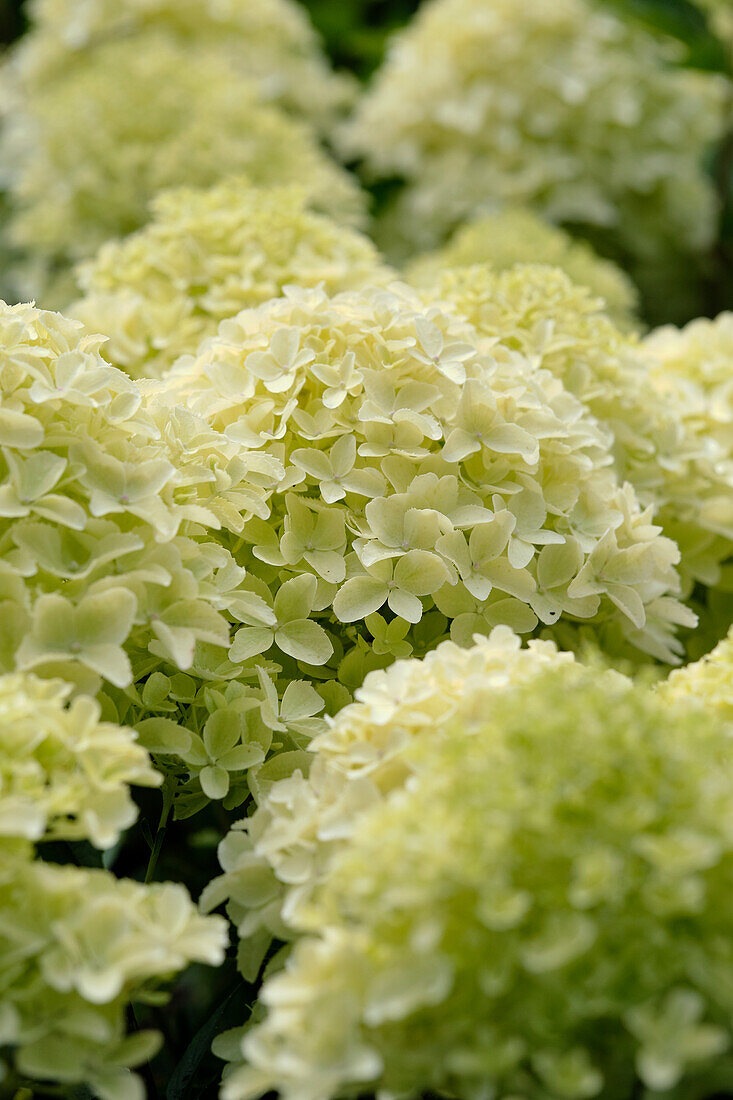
[517,236]
[540,911]
[204,256]
[84,155]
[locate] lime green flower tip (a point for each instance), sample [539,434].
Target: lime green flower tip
[85,154]
[517,236]
[204,256]
[563,108]
[558,930]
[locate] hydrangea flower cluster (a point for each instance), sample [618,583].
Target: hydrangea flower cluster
[539,912]
[517,236]
[273,860]
[563,108]
[70,971]
[675,465]
[63,772]
[272,41]
[206,255]
[84,154]
[428,475]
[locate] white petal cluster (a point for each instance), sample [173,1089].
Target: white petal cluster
[562,107]
[63,772]
[533,904]
[425,470]
[115,571]
[274,859]
[84,153]
[204,256]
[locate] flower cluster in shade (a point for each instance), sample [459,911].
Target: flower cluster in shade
[676,465]
[272,41]
[563,107]
[84,154]
[536,906]
[70,970]
[206,255]
[430,475]
[517,236]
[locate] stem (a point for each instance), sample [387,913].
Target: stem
[168,791]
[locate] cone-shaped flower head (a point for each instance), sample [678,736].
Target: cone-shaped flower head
[204,256]
[541,910]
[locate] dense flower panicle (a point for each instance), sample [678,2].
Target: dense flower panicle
[541,911]
[273,860]
[84,155]
[517,236]
[680,470]
[272,41]
[63,772]
[429,474]
[70,969]
[204,256]
[561,107]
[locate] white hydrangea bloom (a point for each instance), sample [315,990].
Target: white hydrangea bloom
[561,107]
[204,256]
[274,859]
[425,469]
[471,925]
